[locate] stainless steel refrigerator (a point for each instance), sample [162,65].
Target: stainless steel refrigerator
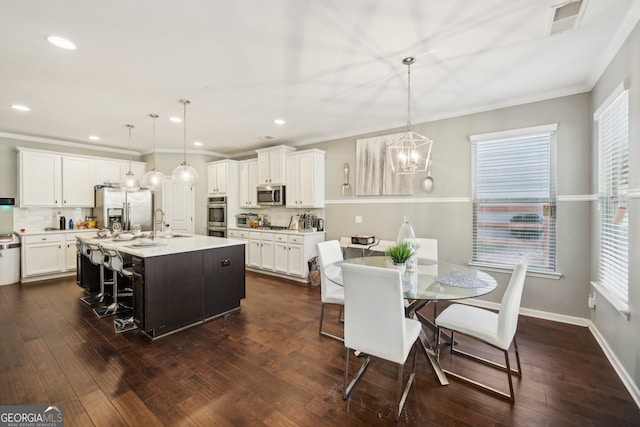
[127,208]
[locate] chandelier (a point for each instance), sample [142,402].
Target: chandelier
[410,153]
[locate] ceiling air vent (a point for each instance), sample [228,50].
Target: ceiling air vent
[567,16]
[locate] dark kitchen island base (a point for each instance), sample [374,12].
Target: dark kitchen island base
[172,292]
[177,282]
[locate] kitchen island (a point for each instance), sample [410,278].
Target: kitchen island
[182,281]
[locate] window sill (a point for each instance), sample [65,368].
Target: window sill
[617,303]
[508,270]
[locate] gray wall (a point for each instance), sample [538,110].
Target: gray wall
[621,335]
[446,213]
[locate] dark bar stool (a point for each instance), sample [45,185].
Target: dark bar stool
[115,263]
[96,257]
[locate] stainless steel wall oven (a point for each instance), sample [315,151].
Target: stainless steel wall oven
[217,216]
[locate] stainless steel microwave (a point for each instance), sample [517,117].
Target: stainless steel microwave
[271,195]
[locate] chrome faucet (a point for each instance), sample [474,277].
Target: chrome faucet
[155,221]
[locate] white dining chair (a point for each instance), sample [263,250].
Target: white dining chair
[329,252]
[496,329]
[375,323]
[427,248]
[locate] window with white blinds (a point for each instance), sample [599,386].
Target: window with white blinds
[613,187]
[514,198]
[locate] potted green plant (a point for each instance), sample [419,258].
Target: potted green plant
[399,254]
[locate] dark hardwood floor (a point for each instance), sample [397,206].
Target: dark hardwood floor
[267,365]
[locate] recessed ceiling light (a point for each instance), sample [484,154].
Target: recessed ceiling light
[94,137]
[175,119]
[20,107]
[61,42]
[279,121]
[197,143]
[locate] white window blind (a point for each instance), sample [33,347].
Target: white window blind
[514,198]
[613,187]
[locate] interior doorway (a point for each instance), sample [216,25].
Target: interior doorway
[178,204]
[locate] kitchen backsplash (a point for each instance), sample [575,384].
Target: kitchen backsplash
[38,219]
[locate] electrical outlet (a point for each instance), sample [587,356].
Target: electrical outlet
[591,302]
[358,219]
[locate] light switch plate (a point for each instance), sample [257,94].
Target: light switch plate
[358,219]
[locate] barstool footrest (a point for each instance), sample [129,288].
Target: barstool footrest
[124,325]
[98,298]
[110,310]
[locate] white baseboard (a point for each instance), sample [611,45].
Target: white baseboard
[624,376]
[617,366]
[571,320]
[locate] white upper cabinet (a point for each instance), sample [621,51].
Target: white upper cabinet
[220,177]
[271,164]
[77,175]
[111,170]
[108,171]
[248,181]
[40,178]
[50,179]
[305,179]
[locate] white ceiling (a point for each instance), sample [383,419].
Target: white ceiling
[330,68]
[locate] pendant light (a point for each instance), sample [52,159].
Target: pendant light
[184,174]
[154,178]
[410,153]
[130,183]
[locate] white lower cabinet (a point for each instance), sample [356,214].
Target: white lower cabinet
[42,254]
[289,255]
[283,254]
[49,255]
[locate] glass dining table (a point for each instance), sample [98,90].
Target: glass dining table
[429,281]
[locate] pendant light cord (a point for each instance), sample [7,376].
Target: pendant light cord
[155,161]
[408,97]
[408,61]
[130,127]
[184,103]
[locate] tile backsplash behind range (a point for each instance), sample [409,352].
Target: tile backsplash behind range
[37,219]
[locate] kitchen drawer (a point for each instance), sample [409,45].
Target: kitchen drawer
[243,234]
[266,236]
[298,240]
[43,238]
[254,235]
[280,238]
[233,233]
